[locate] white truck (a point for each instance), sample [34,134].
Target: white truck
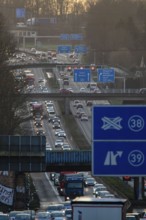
[86,208]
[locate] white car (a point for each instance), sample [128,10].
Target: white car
[84,117]
[48,147]
[61,134]
[57,131]
[59,142]
[98,187]
[66,147]
[83,90]
[43,215]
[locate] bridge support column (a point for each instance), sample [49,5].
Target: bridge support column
[67,106]
[23,42]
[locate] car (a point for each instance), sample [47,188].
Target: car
[49,103]
[65,91]
[40,80]
[102,193]
[55,119]
[56,179]
[4,216]
[66,147]
[59,213]
[83,90]
[81,114]
[89,182]
[55,207]
[24,216]
[38,122]
[48,147]
[75,103]
[97,185]
[51,112]
[40,132]
[52,175]
[84,117]
[56,125]
[58,130]
[45,90]
[70,89]
[97,90]
[51,118]
[38,116]
[59,142]
[108,195]
[68,214]
[43,215]
[61,134]
[33,50]
[98,189]
[79,105]
[59,218]
[89,103]
[78,112]
[67,204]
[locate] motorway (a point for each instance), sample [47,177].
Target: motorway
[44,186]
[40,92]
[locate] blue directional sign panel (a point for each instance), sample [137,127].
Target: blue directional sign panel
[80,49]
[64,49]
[20,12]
[119,140]
[82,75]
[106,75]
[71,36]
[119,158]
[119,122]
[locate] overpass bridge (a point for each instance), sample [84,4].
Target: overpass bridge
[28,154]
[118,70]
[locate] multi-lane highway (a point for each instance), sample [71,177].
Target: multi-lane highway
[81,111]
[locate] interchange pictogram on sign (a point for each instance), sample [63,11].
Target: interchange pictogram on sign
[111,123]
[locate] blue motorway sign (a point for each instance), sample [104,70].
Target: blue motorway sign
[80,49]
[119,140]
[64,49]
[82,75]
[20,12]
[71,37]
[119,122]
[119,158]
[106,75]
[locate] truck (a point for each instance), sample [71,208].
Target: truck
[29,78]
[85,208]
[60,188]
[38,21]
[37,110]
[73,186]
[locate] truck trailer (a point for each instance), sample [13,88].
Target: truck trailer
[85,208]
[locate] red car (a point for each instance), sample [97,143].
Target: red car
[65,91]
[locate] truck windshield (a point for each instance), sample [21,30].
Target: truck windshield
[74,185]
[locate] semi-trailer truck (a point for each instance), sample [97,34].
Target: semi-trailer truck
[85,208]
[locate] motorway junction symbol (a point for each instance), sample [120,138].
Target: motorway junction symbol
[111,123]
